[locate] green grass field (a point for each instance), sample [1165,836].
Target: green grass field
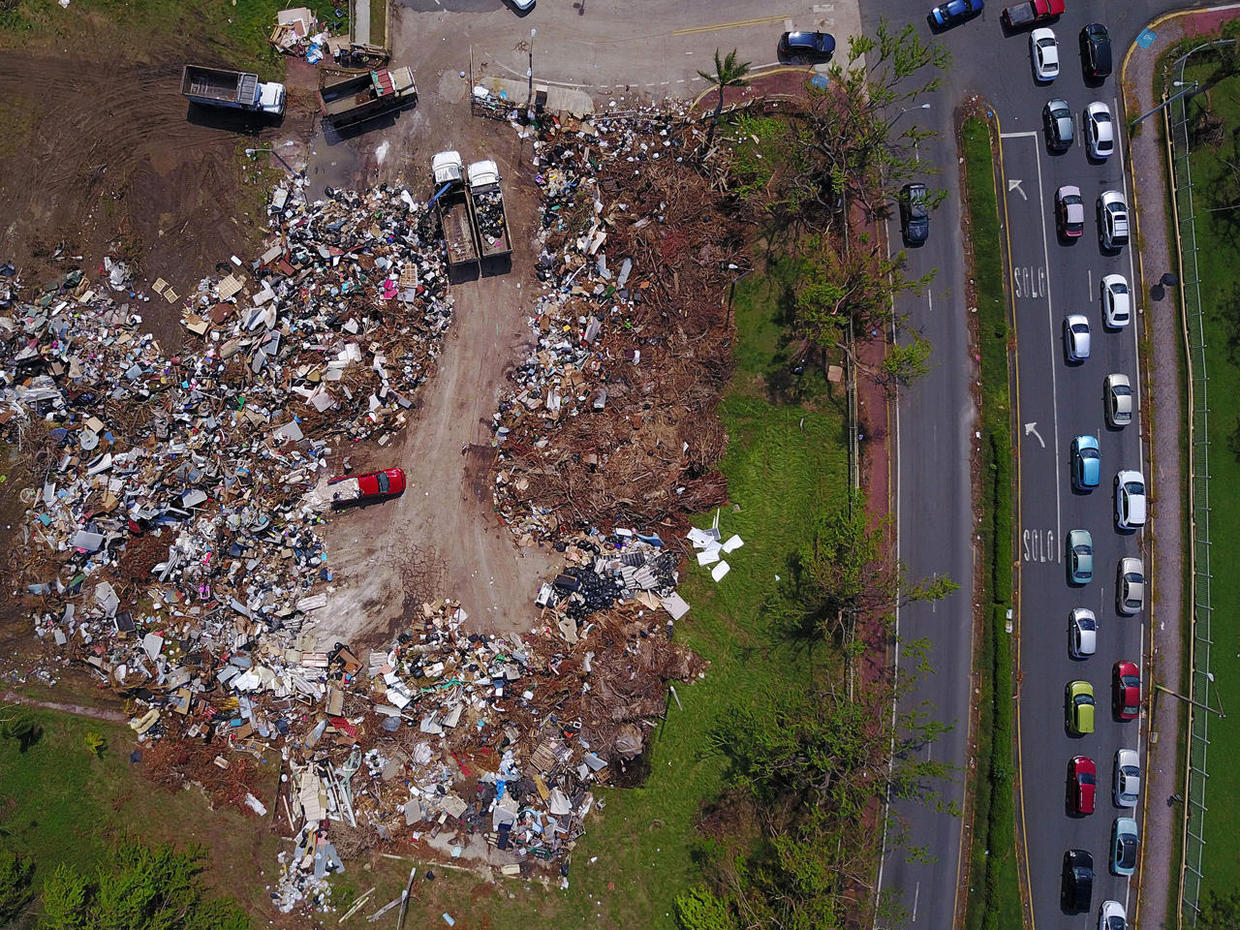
[238,30]
[1218,256]
[61,803]
[993,876]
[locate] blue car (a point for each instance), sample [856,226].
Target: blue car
[1124,846]
[1086,463]
[954,12]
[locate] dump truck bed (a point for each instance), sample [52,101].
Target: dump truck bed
[218,84]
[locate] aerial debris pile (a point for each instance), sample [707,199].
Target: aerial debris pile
[614,411]
[176,482]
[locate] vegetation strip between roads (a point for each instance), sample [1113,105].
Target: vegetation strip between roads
[992,870]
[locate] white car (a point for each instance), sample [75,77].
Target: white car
[1127,778]
[1099,130]
[1076,337]
[1044,48]
[1116,301]
[1117,397]
[1112,221]
[1082,633]
[1112,916]
[1130,586]
[523,5]
[1129,500]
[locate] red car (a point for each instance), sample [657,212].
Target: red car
[375,485]
[1083,780]
[1126,690]
[1083,776]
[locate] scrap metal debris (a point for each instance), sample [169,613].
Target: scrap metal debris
[172,540]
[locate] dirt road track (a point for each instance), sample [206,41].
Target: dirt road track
[102,152]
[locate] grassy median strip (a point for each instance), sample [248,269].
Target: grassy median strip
[994,887]
[1215,116]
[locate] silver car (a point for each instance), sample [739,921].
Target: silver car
[1082,633]
[1130,586]
[1118,398]
[1127,778]
[1076,337]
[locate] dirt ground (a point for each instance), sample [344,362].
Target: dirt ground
[442,538]
[108,156]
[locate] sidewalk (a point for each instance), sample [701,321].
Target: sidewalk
[1162,395]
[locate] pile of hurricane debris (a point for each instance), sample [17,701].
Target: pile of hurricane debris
[169,487]
[614,412]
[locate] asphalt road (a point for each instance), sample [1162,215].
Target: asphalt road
[935,436]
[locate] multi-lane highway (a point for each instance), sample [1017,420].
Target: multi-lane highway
[932,491]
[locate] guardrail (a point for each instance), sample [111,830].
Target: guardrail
[1176,121]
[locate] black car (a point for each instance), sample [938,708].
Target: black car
[1058,124]
[817,45]
[1078,881]
[1095,51]
[914,217]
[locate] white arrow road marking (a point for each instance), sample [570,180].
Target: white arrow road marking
[1014,185]
[1033,428]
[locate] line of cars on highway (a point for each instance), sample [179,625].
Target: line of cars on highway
[1100,138]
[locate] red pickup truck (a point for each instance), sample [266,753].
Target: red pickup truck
[375,485]
[1031,11]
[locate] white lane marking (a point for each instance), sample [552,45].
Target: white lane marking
[1014,185]
[916,895]
[1018,135]
[1136,343]
[1089,291]
[930,299]
[1050,322]
[1033,428]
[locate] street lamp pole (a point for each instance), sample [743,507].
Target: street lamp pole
[529,72]
[1188,89]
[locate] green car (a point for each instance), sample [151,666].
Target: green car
[1080,556]
[1079,708]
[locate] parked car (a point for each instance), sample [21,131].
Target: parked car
[1125,690]
[364,488]
[1130,586]
[1080,556]
[1116,301]
[819,46]
[1099,130]
[1079,708]
[1083,778]
[1124,846]
[1082,633]
[1112,916]
[1086,463]
[1117,399]
[914,217]
[1069,212]
[1076,337]
[1059,126]
[1095,51]
[1127,785]
[1044,48]
[954,12]
[1112,220]
[1077,885]
[1129,500]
